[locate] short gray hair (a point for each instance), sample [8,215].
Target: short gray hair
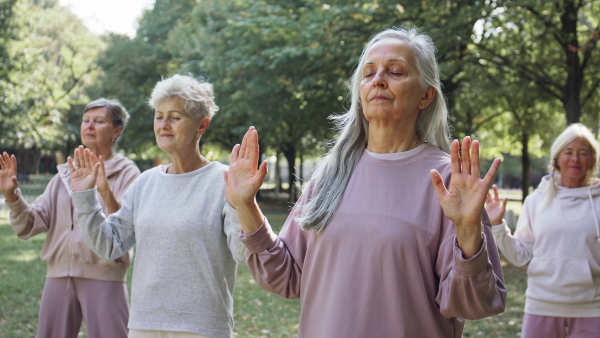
[197,94]
[117,113]
[572,132]
[337,167]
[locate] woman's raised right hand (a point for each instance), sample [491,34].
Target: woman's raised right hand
[8,177]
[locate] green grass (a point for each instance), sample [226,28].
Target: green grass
[257,313]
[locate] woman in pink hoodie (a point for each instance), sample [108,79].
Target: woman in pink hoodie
[558,235]
[79,285]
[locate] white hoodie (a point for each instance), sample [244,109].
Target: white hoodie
[561,243]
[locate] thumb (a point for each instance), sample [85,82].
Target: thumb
[438,184]
[101,169]
[95,170]
[15,181]
[262,170]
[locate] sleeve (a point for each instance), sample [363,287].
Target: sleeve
[28,220]
[518,247]
[111,237]
[232,229]
[470,288]
[276,261]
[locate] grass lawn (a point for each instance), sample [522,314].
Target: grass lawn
[257,313]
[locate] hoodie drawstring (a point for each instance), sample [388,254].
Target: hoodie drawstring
[595,214]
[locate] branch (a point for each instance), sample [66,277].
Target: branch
[547,24]
[591,92]
[590,45]
[546,84]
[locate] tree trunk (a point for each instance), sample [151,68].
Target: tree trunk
[526,164]
[572,89]
[277,173]
[290,155]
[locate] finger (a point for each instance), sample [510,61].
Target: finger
[95,170]
[70,164]
[13,162]
[475,163]
[495,189]
[438,184]
[242,152]
[234,154]
[488,198]
[101,169]
[489,177]
[465,155]
[262,171]
[454,157]
[504,203]
[253,148]
[86,159]
[77,156]
[3,160]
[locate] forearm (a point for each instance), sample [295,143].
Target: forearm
[112,205]
[250,215]
[469,238]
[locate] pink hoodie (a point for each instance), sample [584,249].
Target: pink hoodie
[64,251]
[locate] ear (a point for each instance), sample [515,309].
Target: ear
[203,125]
[117,132]
[427,97]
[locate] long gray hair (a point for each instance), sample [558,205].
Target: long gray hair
[352,128]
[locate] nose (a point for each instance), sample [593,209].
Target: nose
[379,79]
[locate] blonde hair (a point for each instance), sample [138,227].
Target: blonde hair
[571,133]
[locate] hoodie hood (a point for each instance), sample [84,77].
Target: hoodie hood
[587,192]
[112,166]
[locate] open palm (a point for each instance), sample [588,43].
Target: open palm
[84,175]
[464,199]
[245,177]
[8,173]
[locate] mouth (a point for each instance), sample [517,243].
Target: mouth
[378,97]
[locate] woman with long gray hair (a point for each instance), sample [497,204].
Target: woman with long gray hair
[79,285]
[377,246]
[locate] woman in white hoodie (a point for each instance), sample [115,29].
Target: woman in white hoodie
[558,234]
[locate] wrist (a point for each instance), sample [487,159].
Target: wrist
[10,196]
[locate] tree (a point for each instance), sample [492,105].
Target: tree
[52,56]
[551,43]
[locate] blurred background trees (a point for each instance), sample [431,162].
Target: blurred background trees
[514,72]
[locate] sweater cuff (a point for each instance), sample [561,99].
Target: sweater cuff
[85,200]
[19,204]
[474,265]
[261,240]
[501,230]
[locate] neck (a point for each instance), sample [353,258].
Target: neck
[106,153]
[386,139]
[571,182]
[186,163]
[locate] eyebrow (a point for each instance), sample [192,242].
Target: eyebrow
[391,60]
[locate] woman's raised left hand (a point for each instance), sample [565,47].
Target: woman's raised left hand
[464,199]
[84,176]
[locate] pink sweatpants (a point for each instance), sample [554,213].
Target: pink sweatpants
[535,326]
[67,301]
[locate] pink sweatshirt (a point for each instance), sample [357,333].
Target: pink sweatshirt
[387,265]
[64,251]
